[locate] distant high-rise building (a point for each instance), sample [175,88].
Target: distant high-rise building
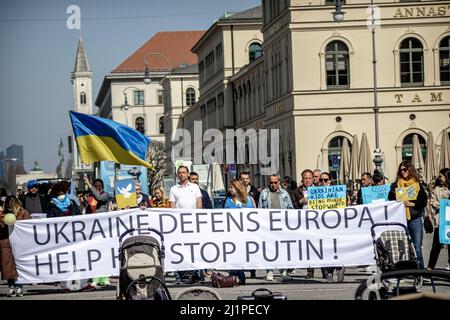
[15,151]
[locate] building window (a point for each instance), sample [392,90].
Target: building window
[334,155]
[139,97]
[407,147]
[161,125]
[160,97]
[219,58]
[411,62]
[444,59]
[190,96]
[83,98]
[201,72]
[254,51]
[139,125]
[337,64]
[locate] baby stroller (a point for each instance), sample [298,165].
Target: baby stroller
[394,251]
[141,267]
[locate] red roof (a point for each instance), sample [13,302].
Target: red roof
[175,45]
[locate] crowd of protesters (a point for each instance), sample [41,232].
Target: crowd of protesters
[280,194]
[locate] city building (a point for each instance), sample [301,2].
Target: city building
[35,173]
[15,151]
[232,42]
[315,81]
[125,98]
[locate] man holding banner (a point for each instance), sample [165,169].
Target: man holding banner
[275,197]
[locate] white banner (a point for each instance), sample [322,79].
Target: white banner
[81,247]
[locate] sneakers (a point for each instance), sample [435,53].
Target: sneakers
[11,292]
[291,272]
[19,292]
[269,276]
[341,275]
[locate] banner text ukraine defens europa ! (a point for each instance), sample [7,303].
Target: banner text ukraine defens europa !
[87,246]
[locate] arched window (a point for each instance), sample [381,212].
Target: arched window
[254,51]
[407,146]
[337,64]
[161,125]
[334,155]
[411,62]
[83,98]
[190,96]
[139,124]
[444,59]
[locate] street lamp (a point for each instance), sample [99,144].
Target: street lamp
[148,80]
[338,16]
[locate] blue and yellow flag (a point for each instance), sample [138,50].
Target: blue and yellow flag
[103,139]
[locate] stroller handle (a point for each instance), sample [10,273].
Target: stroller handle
[382,224]
[141,229]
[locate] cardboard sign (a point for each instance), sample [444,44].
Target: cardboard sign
[375,193]
[405,193]
[330,197]
[125,193]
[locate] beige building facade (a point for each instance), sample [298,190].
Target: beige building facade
[320,83]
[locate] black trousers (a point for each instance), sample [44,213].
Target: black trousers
[436,250]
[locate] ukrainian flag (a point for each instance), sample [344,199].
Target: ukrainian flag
[103,139]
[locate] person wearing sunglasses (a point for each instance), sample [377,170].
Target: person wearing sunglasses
[275,197]
[407,176]
[35,202]
[327,273]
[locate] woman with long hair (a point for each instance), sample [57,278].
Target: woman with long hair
[407,176]
[7,264]
[441,191]
[238,197]
[160,198]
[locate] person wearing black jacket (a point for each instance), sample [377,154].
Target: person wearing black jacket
[407,177]
[61,205]
[244,177]
[206,200]
[33,201]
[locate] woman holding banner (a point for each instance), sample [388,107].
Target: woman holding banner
[415,202]
[7,264]
[441,191]
[239,199]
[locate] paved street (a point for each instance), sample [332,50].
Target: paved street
[296,289]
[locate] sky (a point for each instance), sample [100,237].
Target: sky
[38,55]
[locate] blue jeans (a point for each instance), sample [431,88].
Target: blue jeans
[415,228]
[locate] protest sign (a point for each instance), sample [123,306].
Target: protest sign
[405,193]
[86,246]
[330,197]
[444,221]
[125,193]
[372,193]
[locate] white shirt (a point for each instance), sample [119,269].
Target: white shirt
[185,196]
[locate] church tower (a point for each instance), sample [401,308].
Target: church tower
[81,78]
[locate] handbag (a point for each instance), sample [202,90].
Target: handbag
[428,225]
[218,280]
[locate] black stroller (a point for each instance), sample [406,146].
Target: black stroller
[141,268]
[394,251]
